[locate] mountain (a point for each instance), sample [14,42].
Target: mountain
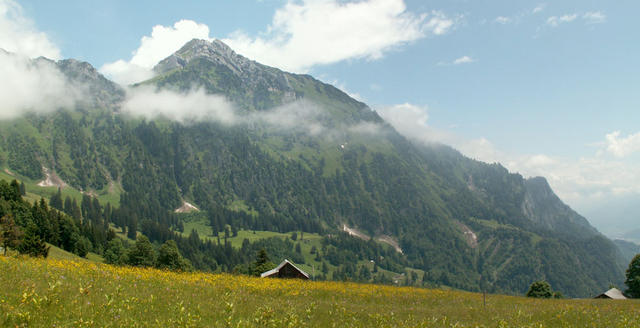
[628,249]
[304,156]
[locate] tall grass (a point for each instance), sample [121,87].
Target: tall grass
[62,293]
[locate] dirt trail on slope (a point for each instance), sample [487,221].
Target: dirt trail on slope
[187,208]
[382,238]
[51,179]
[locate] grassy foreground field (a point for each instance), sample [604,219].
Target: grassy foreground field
[62,293]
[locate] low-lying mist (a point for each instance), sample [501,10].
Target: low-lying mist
[33,86]
[37,86]
[196,105]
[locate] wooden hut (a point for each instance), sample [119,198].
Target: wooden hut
[613,294]
[286,269]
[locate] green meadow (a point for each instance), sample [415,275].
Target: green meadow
[77,293]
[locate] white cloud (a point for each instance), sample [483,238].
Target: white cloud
[311,32]
[18,34]
[555,21]
[195,105]
[164,41]
[30,86]
[408,119]
[343,88]
[594,17]
[539,8]
[502,20]
[303,116]
[458,61]
[463,60]
[622,146]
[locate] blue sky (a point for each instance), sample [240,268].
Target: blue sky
[547,88]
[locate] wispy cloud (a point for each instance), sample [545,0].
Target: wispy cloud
[18,34]
[196,105]
[503,20]
[32,86]
[539,8]
[622,146]
[163,41]
[458,61]
[594,17]
[463,60]
[555,21]
[309,33]
[29,85]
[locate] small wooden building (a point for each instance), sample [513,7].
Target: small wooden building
[613,294]
[286,269]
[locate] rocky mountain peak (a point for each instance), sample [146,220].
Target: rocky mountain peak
[216,66]
[100,92]
[214,51]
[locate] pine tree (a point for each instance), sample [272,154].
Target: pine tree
[262,263]
[56,201]
[68,207]
[132,227]
[10,233]
[325,267]
[32,244]
[75,210]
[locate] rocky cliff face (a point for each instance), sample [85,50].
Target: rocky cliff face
[249,74]
[97,91]
[543,207]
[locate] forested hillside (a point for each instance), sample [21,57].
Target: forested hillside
[461,222]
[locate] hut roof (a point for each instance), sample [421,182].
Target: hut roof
[613,293]
[280,266]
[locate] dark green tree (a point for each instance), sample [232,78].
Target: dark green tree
[56,201]
[15,190]
[325,267]
[82,246]
[68,206]
[169,258]
[364,274]
[76,213]
[142,253]
[132,227]
[32,244]
[23,189]
[115,252]
[633,278]
[263,263]
[69,234]
[540,289]
[10,233]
